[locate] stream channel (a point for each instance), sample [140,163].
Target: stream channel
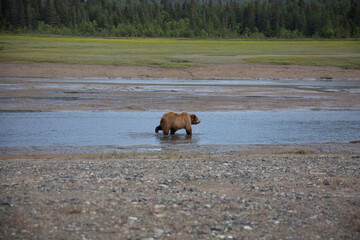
[125,129]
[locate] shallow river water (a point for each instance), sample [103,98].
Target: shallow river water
[86,128]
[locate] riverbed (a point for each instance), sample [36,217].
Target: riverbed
[117,94]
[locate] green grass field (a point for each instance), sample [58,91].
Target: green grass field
[176,53]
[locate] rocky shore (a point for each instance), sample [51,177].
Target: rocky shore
[267,194]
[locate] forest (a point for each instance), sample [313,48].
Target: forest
[257,19]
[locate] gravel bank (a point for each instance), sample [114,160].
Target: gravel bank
[234,195]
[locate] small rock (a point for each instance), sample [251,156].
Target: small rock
[247,228]
[132,219]
[192,189]
[268,206]
[215,229]
[163,186]
[326,181]
[158,231]
[159,206]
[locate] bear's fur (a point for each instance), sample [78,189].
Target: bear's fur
[172,121]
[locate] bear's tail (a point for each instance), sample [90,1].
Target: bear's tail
[157,129]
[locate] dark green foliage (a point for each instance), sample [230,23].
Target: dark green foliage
[184,18]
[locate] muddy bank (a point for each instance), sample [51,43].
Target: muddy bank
[28,94]
[233,195]
[22,95]
[208,71]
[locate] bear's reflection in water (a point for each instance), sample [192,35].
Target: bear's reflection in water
[181,138]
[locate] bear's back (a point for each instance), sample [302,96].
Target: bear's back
[174,119]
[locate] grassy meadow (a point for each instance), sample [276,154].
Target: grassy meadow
[176,53]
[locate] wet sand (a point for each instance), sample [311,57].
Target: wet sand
[20,95]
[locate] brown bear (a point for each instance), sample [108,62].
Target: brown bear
[172,121]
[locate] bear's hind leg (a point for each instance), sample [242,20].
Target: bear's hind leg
[157,129]
[165,130]
[172,131]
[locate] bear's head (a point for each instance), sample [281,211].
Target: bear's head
[194,118]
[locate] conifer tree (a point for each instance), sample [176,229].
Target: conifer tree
[52,17]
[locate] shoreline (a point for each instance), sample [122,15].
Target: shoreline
[64,151]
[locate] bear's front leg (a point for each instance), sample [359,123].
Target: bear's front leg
[189,131]
[173,131]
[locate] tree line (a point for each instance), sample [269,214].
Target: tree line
[184,18]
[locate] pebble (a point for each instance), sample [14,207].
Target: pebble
[163,186]
[326,181]
[133,219]
[158,231]
[247,228]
